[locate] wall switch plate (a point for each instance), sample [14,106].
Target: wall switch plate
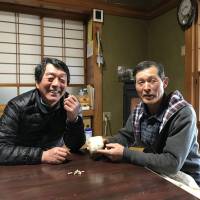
[106,116]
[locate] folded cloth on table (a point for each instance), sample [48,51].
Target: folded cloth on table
[184,181]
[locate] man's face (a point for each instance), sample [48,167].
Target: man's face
[150,87]
[53,85]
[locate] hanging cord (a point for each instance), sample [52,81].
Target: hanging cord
[107,126]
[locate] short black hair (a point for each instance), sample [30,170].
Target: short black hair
[40,68]
[147,64]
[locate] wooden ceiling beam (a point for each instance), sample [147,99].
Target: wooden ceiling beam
[42,11]
[163,7]
[85,7]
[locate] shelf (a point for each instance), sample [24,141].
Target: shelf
[88,113]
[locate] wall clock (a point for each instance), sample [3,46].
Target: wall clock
[186,13]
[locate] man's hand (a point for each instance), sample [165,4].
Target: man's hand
[113,151]
[72,106]
[56,155]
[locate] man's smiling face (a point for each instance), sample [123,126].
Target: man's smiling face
[53,85]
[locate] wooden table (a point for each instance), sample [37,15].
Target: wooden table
[102,180]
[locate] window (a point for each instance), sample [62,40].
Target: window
[26,39]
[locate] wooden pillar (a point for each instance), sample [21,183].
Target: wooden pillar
[94,78]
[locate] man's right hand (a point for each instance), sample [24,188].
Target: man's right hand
[56,155]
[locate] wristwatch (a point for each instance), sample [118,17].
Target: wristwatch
[72,122]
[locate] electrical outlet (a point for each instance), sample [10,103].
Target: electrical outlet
[106,114]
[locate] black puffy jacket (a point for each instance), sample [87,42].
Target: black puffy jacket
[27,128]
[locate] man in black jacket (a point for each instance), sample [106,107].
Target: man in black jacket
[42,125]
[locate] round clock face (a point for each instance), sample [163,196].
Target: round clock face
[186,13]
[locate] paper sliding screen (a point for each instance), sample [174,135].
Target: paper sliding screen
[26,39]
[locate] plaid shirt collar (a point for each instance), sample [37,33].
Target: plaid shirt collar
[173,103]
